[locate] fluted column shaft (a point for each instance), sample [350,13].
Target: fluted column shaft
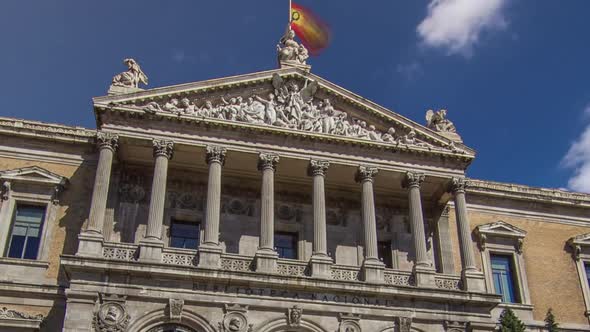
[413,182]
[458,188]
[267,164]
[163,151]
[215,159]
[365,176]
[317,169]
[107,145]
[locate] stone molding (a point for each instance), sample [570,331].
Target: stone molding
[106,140]
[267,161]
[215,153]
[366,173]
[577,243]
[32,174]
[318,167]
[164,148]
[522,192]
[18,127]
[500,229]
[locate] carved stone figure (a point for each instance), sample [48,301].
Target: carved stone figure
[111,317]
[132,77]
[235,319]
[175,307]
[294,316]
[289,50]
[289,106]
[438,121]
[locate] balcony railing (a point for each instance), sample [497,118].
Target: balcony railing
[285,267]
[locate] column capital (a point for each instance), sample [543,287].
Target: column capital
[366,173]
[413,179]
[318,167]
[267,161]
[215,153]
[458,185]
[107,140]
[164,148]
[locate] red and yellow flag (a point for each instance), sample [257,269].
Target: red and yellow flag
[313,32]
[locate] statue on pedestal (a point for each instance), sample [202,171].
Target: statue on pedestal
[291,51]
[132,77]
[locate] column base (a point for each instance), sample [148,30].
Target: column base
[321,266]
[90,244]
[372,271]
[266,261]
[425,276]
[150,250]
[210,256]
[473,281]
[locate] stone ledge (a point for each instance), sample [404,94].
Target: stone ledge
[75,264]
[42,130]
[28,324]
[23,262]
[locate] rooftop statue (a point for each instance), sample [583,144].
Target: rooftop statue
[438,121]
[291,51]
[132,77]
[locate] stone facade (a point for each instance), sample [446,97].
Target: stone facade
[390,235]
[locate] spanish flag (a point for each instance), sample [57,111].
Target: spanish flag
[312,31]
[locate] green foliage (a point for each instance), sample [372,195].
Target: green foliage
[510,323]
[550,323]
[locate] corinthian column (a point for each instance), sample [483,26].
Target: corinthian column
[151,245]
[320,261]
[266,255]
[210,251]
[473,278]
[91,240]
[423,267]
[372,267]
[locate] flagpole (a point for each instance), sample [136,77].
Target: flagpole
[290,13]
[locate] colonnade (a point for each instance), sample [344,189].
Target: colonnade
[151,246]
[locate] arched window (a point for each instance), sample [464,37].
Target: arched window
[171,328]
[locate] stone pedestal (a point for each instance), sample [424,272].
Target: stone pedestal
[90,244]
[321,266]
[424,276]
[473,281]
[150,250]
[372,271]
[266,261]
[210,257]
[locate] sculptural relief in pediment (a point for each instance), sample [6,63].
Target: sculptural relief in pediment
[293,104]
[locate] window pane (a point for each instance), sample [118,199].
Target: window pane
[587,265]
[286,244]
[25,236]
[503,277]
[184,234]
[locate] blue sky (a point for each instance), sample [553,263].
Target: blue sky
[513,75]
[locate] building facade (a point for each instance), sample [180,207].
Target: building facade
[269,202]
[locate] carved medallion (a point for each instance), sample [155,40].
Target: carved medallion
[349,323]
[294,316]
[235,319]
[111,317]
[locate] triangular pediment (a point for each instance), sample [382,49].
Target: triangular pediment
[502,229]
[33,174]
[286,101]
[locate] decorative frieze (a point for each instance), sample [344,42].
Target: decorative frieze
[6,313]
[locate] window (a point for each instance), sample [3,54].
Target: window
[286,245]
[580,246]
[25,235]
[587,266]
[184,234]
[502,274]
[384,252]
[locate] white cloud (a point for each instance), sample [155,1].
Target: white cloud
[578,159]
[457,25]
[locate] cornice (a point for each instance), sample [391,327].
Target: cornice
[527,193]
[42,130]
